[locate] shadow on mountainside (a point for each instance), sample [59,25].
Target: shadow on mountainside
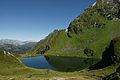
[69,63]
[109,56]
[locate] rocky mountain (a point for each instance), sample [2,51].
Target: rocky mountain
[9,41]
[16,45]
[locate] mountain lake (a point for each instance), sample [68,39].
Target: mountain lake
[59,63]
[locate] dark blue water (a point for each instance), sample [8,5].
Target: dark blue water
[39,62]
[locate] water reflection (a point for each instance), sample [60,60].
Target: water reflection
[70,64]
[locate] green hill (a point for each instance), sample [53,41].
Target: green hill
[92,31]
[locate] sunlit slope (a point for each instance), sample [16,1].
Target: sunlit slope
[92,30]
[95,39]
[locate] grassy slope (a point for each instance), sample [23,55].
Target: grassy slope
[92,29]
[95,38]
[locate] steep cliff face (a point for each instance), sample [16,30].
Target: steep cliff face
[92,31]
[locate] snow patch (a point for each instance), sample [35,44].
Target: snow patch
[66,30]
[94,4]
[10,54]
[5,52]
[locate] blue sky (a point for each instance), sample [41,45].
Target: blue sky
[34,19]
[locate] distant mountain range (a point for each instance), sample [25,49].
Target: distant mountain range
[16,45]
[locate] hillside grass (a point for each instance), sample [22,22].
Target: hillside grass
[94,38]
[92,29]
